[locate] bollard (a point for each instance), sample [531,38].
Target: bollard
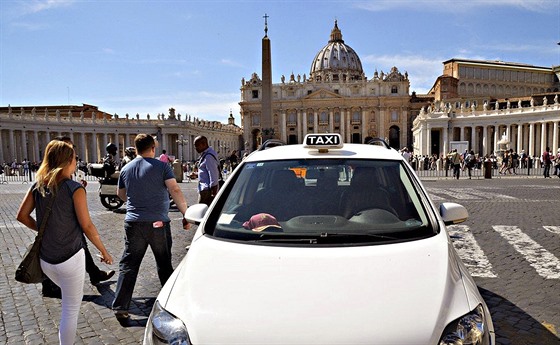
[488,169]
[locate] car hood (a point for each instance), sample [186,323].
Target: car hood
[254,294]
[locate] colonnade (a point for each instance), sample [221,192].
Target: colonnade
[354,124]
[25,137]
[530,129]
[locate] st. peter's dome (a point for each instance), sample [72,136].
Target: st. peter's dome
[336,61]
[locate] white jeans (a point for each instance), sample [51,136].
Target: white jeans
[69,275]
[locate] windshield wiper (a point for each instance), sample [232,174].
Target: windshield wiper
[288,240]
[325,236]
[356,234]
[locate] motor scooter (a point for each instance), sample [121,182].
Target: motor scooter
[107,186]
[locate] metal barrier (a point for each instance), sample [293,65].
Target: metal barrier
[476,173]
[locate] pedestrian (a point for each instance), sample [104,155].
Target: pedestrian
[164,157]
[110,161]
[62,249]
[208,171]
[557,162]
[514,160]
[129,155]
[96,275]
[233,160]
[470,162]
[547,162]
[506,164]
[145,184]
[455,159]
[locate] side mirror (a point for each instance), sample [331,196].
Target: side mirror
[195,213]
[453,213]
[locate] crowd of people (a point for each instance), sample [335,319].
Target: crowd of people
[506,163]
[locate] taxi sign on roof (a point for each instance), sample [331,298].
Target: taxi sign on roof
[323,141]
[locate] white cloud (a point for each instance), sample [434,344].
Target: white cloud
[36,6]
[231,63]
[29,26]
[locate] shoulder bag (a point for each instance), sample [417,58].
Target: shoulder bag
[29,271]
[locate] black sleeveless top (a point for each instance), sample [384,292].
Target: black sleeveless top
[63,236]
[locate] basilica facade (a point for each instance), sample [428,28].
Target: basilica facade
[336,97]
[475,103]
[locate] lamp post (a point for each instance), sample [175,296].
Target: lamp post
[182,142]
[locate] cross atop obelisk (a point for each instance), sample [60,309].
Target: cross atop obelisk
[265,24]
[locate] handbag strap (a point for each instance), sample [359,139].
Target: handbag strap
[46,216]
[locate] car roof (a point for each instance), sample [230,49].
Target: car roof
[354,151]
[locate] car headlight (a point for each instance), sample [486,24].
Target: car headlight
[165,328]
[469,329]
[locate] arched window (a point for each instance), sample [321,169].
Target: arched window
[292,118]
[256,120]
[356,117]
[323,118]
[310,119]
[394,89]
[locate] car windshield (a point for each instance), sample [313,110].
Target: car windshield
[321,201]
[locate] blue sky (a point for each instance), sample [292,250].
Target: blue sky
[147,56]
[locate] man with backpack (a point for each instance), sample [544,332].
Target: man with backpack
[209,175]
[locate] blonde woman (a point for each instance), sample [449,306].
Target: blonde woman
[62,249]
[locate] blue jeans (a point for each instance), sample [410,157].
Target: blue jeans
[138,235]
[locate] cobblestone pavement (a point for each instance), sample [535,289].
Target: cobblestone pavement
[510,243]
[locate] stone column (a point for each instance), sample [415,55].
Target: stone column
[331,120]
[304,124]
[381,133]
[283,128]
[421,136]
[2,160]
[519,138]
[12,143]
[484,140]
[462,133]
[36,146]
[83,146]
[315,121]
[496,138]
[428,140]
[363,125]
[555,143]
[342,125]
[445,133]
[473,138]
[531,139]
[543,137]
[299,127]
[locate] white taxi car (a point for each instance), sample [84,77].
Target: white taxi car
[321,243]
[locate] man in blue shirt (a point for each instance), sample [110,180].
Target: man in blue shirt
[208,171]
[145,183]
